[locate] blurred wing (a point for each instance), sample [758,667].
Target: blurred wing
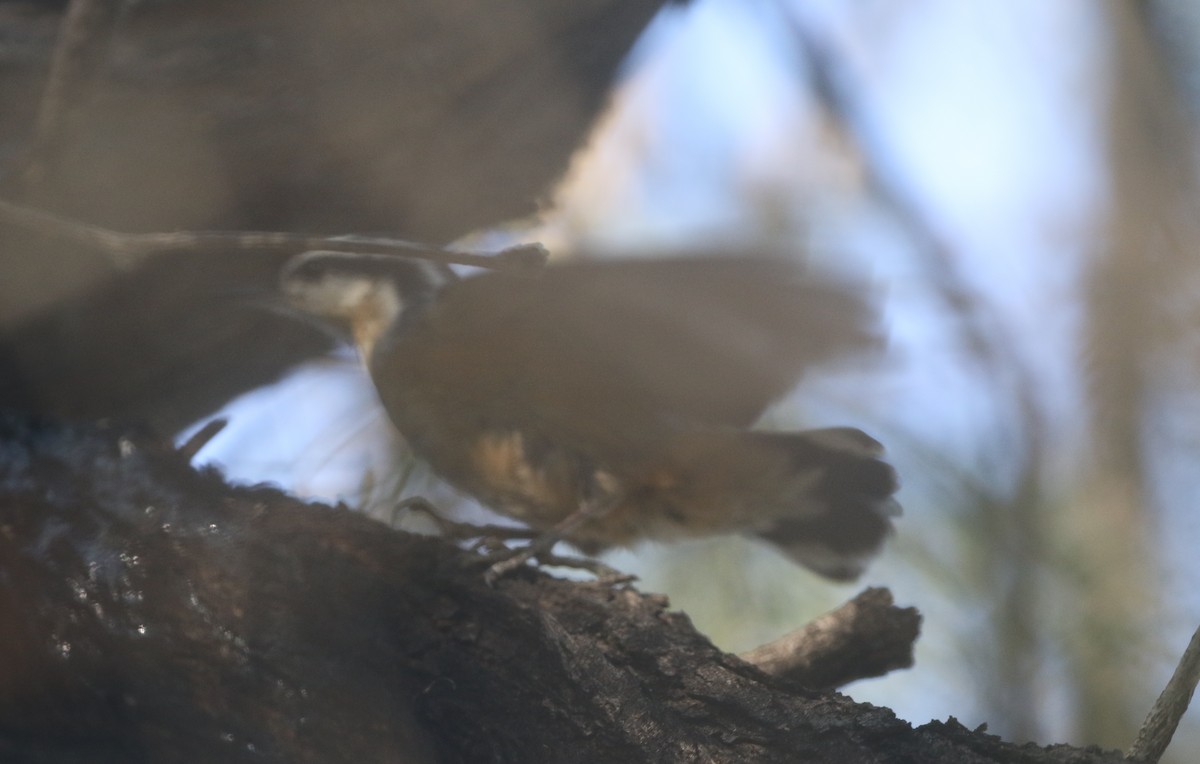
[700,341]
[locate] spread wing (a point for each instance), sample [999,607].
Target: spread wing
[608,346]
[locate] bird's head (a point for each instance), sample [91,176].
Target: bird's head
[360,297]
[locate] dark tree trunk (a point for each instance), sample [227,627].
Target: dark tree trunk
[152,612]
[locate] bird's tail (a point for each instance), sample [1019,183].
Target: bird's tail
[844,515]
[823,497]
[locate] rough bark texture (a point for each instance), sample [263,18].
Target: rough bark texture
[424,119]
[151,612]
[866,637]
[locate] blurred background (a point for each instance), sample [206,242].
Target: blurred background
[1016,181]
[1010,178]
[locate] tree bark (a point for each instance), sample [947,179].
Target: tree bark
[149,611]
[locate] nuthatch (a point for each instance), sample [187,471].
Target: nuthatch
[623,390]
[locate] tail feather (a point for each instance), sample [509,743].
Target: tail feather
[844,512]
[823,497]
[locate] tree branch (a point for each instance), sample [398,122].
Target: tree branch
[152,612]
[128,250]
[1156,732]
[84,39]
[866,637]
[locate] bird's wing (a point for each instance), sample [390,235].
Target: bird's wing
[694,341]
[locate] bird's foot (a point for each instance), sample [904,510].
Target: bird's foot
[606,575]
[541,548]
[501,560]
[504,562]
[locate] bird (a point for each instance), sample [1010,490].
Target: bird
[611,401]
